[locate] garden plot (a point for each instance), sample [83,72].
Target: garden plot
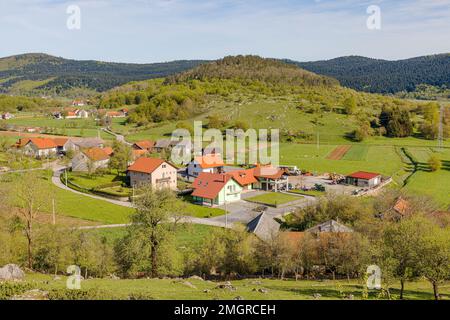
[338,153]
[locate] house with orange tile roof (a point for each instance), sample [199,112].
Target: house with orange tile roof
[211,163]
[245,178]
[152,171]
[41,147]
[91,159]
[214,189]
[115,114]
[146,145]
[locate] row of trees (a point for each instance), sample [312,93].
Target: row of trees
[406,247]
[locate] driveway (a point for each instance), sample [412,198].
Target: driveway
[243,211]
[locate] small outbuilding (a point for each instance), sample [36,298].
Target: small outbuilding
[364,179]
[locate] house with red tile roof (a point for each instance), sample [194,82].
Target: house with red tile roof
[211,163]
[146,145]
[90,160]
[364,179]
[214,189]
[41,147]
[152,171]
[245,178]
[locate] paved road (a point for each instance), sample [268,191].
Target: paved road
[119,137]
[58,170]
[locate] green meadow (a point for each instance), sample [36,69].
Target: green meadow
[248,289]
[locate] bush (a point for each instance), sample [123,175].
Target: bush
[435,163]
[67,294]
[11,289]
[140,296]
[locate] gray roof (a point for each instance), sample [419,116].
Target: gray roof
[88,142]
[264,227]
[163,143]
[330,226]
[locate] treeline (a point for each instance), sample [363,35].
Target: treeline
[426,92]
[381,76]
[67,74]
[396,121]
[15,103]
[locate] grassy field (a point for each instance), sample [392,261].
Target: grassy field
[82,207]
[66,127]
[273,198]
[186,235]
[168,289]
[357,153]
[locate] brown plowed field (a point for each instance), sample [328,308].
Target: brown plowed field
[338,153]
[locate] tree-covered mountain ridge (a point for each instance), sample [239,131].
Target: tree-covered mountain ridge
[42,74]
[383,76]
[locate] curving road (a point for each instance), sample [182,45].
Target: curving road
[59,169]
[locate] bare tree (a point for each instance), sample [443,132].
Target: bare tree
[30,195]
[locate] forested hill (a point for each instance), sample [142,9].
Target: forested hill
[382,76]
[253,68]
[30,74]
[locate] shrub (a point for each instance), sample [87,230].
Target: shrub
[435,163]
[11,289]
[67,294]
[140,296]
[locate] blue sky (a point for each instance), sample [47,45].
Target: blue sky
[162,30]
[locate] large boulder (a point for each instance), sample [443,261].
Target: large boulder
[11,272]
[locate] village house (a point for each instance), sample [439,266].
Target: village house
[163,144]
[7,116]
[245,178]
[330,226]
[215,189]
[77,144]
[90,160]
[62,145]
[156,172]
[264,227]
[115,114]
[211,163]
[270,178]
[40,147]
[364,179]
[146,145]
[78,103]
